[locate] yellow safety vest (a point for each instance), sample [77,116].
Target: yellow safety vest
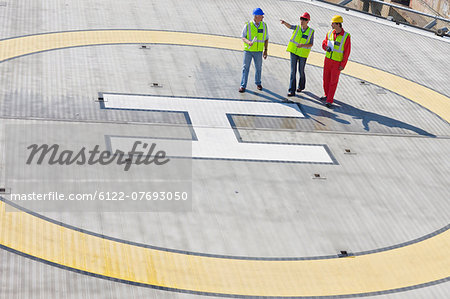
[260,33]
[337,51]
[303,38]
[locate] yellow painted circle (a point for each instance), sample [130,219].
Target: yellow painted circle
[420,263]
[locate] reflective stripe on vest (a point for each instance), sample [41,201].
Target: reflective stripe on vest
[252,32]
[337,52]
[303,38]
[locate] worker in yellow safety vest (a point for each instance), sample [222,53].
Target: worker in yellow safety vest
[256,40]
[338,46]
[299,46]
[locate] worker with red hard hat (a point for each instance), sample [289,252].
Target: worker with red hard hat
[299,46]
[338,46]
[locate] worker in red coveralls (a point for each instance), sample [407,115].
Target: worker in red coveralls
[337,44]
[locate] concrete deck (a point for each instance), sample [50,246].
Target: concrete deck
[256,225]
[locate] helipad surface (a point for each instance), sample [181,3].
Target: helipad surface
[277,189]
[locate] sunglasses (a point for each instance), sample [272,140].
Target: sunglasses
[304,19]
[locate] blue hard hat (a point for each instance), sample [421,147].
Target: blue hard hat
[258,12]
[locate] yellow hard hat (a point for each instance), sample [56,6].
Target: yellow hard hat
[337,19]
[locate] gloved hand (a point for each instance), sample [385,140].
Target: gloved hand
[328,49]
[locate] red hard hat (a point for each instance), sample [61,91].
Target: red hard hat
[306,16]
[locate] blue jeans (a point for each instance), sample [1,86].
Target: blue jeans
[257,58]
[301,69]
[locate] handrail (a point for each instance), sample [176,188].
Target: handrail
[410,10]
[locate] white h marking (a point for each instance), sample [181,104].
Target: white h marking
[216,139]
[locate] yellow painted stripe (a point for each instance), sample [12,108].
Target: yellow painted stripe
[411,265]
[10,48]
[415,264]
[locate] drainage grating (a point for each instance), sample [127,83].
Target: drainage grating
[347,151]
[318,176]
[155,84]
[345,253]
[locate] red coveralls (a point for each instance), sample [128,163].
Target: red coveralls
[331,70]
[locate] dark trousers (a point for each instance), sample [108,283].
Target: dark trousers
[301,61]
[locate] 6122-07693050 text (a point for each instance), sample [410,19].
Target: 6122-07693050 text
[103,196]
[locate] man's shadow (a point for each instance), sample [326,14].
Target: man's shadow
[365,116]
[308,111]
[343,108]
[268,95]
